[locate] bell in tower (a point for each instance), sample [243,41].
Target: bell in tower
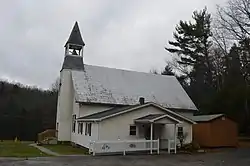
[74,45]
[74,52]
[73,58]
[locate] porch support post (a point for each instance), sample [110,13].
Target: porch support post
[175,128]
[151,138]
[158,146]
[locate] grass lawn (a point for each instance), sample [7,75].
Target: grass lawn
[66,149]
[19,149]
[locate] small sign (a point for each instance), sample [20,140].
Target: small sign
[105,147]
[132,145]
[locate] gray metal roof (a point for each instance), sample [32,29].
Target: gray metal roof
[114,86]
[106,113]
[150,117]
[205,118]
[73,62]
[75,36]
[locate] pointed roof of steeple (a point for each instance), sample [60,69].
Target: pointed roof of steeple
[75,36]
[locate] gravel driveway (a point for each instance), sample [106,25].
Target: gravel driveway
[236,157]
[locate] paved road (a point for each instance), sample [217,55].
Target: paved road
[240,157]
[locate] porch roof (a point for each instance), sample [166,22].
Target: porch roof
[99,116]
[151,118]
[106,113]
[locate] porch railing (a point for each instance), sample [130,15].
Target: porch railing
[124,146]
[171,146]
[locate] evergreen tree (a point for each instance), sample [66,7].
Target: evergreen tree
[168,70]
[192,45]
[216,78]
[234,75]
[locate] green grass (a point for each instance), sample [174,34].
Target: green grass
[19,149]
[66,149]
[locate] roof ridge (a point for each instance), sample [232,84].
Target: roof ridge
[209,115]
[128,70]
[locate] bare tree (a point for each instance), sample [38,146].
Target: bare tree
[56,85]
[232,25]
[153,71]
[182,70]
[220,39]
[234,19]
[219,61]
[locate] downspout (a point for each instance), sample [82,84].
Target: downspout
[151,138]
[175,137]
[97,131]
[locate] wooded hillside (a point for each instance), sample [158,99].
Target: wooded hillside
[25,111]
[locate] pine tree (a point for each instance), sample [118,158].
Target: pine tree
[192,49]
[192,45]
[168,70]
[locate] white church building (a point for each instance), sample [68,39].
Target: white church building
[113,110]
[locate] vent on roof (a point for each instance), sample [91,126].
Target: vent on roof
[142,100]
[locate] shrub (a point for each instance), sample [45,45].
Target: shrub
[182,137]
[191,147]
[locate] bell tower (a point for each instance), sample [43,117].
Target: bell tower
[73,61]
[75,44]
[73,58]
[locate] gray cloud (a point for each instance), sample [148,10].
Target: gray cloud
[121,34]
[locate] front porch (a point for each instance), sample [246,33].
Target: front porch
[154,132]
[160,127]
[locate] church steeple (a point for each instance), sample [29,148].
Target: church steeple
[74,45]
[73,59]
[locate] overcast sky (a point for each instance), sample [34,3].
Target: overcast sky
[126,34]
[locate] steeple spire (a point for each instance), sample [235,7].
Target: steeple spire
[73,59]
[75,36]
[75,43]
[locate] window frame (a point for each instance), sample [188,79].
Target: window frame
[180,131]
[80,128]
[132,130]
[88,129]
